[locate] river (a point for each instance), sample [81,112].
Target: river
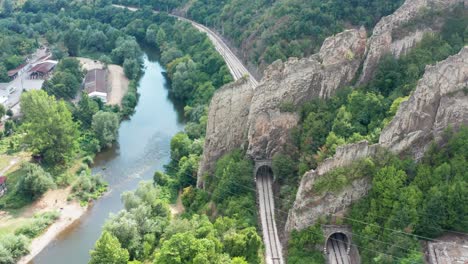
[143,147]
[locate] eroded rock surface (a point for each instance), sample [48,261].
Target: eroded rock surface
[227,123]
[382,40]
[297,81]
[309,206]
[439,101]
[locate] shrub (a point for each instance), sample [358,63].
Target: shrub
[35,182]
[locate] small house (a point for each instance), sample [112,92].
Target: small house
[95,84]
[17,71]
[42,70]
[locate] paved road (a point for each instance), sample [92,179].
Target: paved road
[235,65]
[267,216]
[22,83]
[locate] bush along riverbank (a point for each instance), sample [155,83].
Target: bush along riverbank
[47,159]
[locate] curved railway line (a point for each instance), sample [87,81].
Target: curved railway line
[265,176]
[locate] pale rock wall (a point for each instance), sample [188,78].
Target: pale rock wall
[309,207]
[297,81]
[382,42]
[440,100]
[227,123]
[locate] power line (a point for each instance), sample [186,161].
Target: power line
[255,212]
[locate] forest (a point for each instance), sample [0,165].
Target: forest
[220,222]
[268,30]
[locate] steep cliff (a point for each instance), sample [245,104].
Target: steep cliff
[297,81]
[439,101]
[239,115]
[384,40]
[227,123]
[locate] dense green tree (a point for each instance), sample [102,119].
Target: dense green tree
[72,40]
[62,85]
[106,127]
[126,49]
[131,68]
[85,111]
[49,127]
[35,181]
[108,251]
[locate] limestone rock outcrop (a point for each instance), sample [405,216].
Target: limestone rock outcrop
[382,40]
[309,207]
[227,123]
[439,101]
[297,81]
[241,116]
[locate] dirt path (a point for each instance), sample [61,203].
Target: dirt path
[178,207]
[118,84]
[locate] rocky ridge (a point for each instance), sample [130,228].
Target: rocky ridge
[439,101]
[382,40]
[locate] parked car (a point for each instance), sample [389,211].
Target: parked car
[11,89]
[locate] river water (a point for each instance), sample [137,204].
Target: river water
[143,147]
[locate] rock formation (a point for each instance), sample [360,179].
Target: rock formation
[227,123]
[240,115]
[297,81]
[439,101]
[382,40]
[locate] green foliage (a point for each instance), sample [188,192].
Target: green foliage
[304,246]
[341,177]
[422,200]
[131,68]
[108,251]
[39,224]
[146,213]
[50,130]
[106,127]
[35,182]
[66,80]
[130,99]
[88,187]
[13,247]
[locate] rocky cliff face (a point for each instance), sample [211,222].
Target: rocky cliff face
[383,40]
[297,81]
[227,123]
[440,100]
[239,115]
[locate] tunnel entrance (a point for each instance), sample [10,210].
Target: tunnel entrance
[264,171]
[337,248]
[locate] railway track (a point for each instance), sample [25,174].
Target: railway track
[235,65]
[337,253]
[267,216]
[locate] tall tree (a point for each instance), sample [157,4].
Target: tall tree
[106,126]
[50,130]
[108,251]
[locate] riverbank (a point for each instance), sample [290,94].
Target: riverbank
[69,213]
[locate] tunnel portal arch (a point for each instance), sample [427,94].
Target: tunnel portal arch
[264,168]
[332,232]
